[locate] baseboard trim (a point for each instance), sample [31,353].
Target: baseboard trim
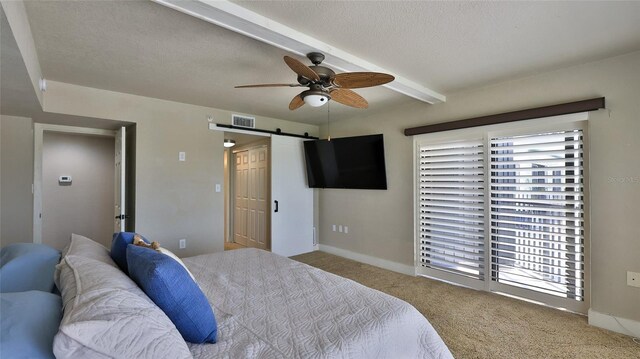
[378,262]
[615,324]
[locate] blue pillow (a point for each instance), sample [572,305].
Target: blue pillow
[119,248]
[29,322]
[27,266]
[169,285]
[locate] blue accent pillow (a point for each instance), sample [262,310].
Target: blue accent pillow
[30,320]
[119,248]
[169,285]
[27,266]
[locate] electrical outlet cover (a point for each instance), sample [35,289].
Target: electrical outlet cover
[633,279]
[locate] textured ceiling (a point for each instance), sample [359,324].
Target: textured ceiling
[450,46]
[17,96]
[146,49]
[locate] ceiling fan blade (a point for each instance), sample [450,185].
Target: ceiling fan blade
[354,80]
[296,103]
[349,98]
[301,69]
[267,85]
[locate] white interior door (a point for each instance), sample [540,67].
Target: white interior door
[120,216]
[291,198]
[258,198]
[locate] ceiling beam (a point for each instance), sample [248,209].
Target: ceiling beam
[243,21]
[19,23]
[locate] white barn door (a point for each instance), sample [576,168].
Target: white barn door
[291,198]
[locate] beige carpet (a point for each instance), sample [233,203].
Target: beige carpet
[477,324]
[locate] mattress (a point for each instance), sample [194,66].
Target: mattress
[268,306]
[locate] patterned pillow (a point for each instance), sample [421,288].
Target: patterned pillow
[106,315]
[86,247]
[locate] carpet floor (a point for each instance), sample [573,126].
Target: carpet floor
[477,324]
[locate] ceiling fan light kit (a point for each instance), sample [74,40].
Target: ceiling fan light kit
[324,84]
[316,96]
[229,143]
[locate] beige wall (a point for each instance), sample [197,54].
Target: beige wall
[174,199]
[16,176]
[85,207]
[381,223]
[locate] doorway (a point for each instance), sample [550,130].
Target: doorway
[288,221]
[77,187]
[81,177]
[248,189]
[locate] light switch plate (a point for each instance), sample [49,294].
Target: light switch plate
[182,156]
[218,187]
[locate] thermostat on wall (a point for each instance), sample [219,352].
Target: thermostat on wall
[64,180]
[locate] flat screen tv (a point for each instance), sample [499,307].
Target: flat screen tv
[347,162]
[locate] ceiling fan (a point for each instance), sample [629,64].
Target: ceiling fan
[324,84]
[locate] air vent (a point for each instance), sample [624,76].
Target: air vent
[243,121]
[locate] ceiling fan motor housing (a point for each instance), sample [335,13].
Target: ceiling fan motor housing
[315,57]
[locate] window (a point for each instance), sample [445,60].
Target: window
[505,211]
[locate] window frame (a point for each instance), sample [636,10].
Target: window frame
[486,133]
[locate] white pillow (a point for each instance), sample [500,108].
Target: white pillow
[108,316]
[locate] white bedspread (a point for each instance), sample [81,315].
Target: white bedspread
[268,306]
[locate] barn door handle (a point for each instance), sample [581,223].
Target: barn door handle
[122,216]
[276,203]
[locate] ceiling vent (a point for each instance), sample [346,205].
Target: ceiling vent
[243,121]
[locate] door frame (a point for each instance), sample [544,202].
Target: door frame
[228,222]
[38,138]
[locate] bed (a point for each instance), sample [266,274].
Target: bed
[265,305]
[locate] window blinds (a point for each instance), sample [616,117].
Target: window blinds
[451,206]
[537,212]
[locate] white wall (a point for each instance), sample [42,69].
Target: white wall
[16,175]
[85,207]
[174,199]
[381,222]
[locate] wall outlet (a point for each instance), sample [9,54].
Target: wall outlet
[346,229]
[333,227]
[340,228]
[633,279]
[183,243]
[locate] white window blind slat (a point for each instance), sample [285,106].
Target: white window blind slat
[541,146]
[455,243]
[527,171]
